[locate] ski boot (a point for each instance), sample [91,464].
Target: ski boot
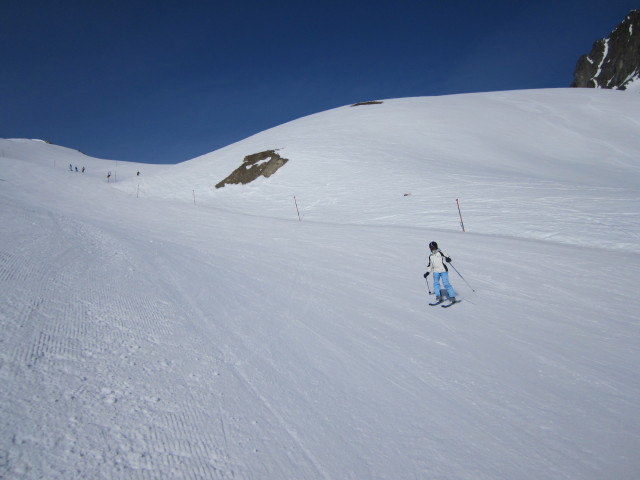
[437,302]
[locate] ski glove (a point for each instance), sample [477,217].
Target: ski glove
[448,259]
[426,275]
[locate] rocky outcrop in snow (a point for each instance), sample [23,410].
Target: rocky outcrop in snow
[614,61]
[253,166]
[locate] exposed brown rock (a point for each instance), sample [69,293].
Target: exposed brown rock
[372,102]
[254,166]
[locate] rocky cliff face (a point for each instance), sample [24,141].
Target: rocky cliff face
[614,61]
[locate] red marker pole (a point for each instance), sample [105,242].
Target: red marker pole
[461,222]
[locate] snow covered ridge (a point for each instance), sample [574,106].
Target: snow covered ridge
[33,152]
[406,161]
[503,154]
[614,61]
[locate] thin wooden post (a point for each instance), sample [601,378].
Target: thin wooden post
[459,213]
[297,210]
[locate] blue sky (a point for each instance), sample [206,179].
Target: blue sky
[164,81]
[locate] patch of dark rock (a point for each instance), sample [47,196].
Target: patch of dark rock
[373,102]
[613,61]
[253,166]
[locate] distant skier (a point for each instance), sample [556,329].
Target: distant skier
[70,168]
[82,169]
[440,272]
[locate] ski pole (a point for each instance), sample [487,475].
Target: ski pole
[461,276]
[428,286]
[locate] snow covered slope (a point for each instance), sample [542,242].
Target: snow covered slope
[147,337]
[505,155]
[29,153]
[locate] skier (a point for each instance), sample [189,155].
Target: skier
[440,272]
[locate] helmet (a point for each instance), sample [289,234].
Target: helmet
[433,246]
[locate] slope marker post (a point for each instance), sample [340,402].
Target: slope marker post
[459,213]
[297,210]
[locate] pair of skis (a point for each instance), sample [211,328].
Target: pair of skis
[444,306]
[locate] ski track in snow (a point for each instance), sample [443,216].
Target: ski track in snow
[41,340]
[152,388]
[118,423]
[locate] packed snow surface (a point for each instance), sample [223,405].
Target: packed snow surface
[154,326]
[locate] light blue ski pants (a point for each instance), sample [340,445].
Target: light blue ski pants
[445,283]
